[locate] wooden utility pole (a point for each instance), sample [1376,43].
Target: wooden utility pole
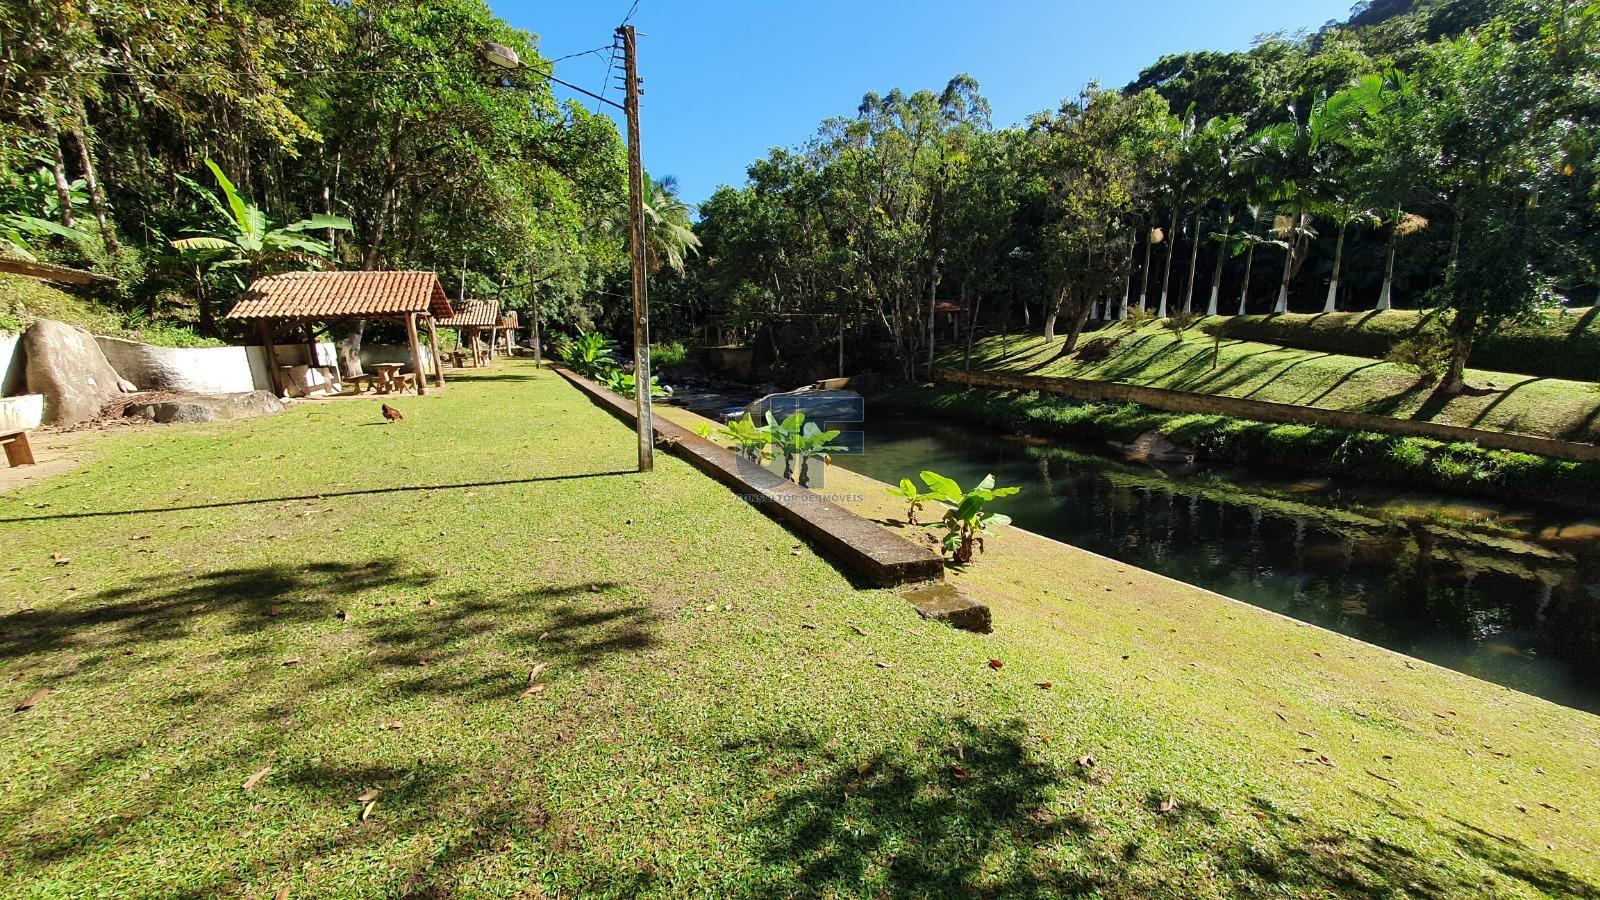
[533,307]
[641,310]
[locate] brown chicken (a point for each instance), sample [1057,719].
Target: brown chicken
[391,413]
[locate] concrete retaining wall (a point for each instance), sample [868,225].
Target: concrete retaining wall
[1186,402]
[861,545]
[202,370]
[13,368]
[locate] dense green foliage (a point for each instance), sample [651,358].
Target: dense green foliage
[1555,347]
[382,114]
[1418,462]
[1434,153]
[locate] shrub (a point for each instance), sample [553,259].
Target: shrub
[1427,352]
[673,354]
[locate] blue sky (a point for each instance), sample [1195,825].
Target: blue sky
[726,80]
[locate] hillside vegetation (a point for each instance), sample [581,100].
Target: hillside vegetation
[1554,347]
[22,300]
[1156,356]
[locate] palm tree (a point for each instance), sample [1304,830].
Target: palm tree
[669,235]
[247,241]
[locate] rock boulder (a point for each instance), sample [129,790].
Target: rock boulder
[66,365]
[209,407]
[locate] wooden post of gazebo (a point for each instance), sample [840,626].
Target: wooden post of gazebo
[438,358]
[416,354]
[274,379]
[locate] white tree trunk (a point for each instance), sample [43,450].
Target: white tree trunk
[1338,264]
[1166,280]
[1249,265]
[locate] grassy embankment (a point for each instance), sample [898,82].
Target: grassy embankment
[1370,456]
[23,300]
[350,606]
[1156,357]
[1557,347]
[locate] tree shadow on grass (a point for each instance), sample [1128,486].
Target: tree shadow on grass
[999,819]
[146,612]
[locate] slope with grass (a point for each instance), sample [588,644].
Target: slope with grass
[1559,346]
[22,300]
[324,607]
[1155,356]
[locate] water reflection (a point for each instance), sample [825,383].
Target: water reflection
[1508,594]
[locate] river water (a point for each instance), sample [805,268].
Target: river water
[1510,594]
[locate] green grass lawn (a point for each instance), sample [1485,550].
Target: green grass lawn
[1153,356]
[354,607]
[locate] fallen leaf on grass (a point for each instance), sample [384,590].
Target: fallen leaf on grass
[883,665]
[532,689]
[1044,685]
[344,616]
[1383,778]
[33,699]
[1280,715]
[369,796]
[537,671]
[366,811]
[1167,805]
[430,602]
[253,780]
[959,773]
[60,560]
[857,630]
[995,663]
[283,893]
[390,726]
[292,662]
[1549,807]
[864,768]
[1086,760]
[553,540]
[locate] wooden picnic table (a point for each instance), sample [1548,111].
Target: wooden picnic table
[390,378]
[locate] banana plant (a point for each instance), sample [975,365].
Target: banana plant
[966,522]
[749,440]
[247,239]
[589,354]
[624,383]
[17,229]
[908,492]
[795,439]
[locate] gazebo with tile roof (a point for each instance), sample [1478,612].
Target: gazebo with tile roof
[470,319]
[305,299]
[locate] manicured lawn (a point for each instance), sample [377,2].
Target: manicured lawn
[1155,357]
[723,712]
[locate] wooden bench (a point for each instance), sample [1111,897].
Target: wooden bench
[18,452]
[360,383]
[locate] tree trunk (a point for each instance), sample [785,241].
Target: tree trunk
[1166,280]
[1194,266]
[97,195]
[933,318]
[1282,306]
[1078,321]
[1222,256]
[1462,329]
[1249,266]
[1050,317]
[1386,296]
[63,187]
[1144,273]
[1127,280]
[1338,264]
[348,348]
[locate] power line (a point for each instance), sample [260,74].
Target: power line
[631,10]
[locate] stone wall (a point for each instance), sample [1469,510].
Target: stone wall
[1186,402]
[202,370]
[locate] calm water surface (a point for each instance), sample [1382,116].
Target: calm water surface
[1508,594]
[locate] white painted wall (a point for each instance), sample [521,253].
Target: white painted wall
[21,413]
[13,367]
[394,353]
[202,370]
